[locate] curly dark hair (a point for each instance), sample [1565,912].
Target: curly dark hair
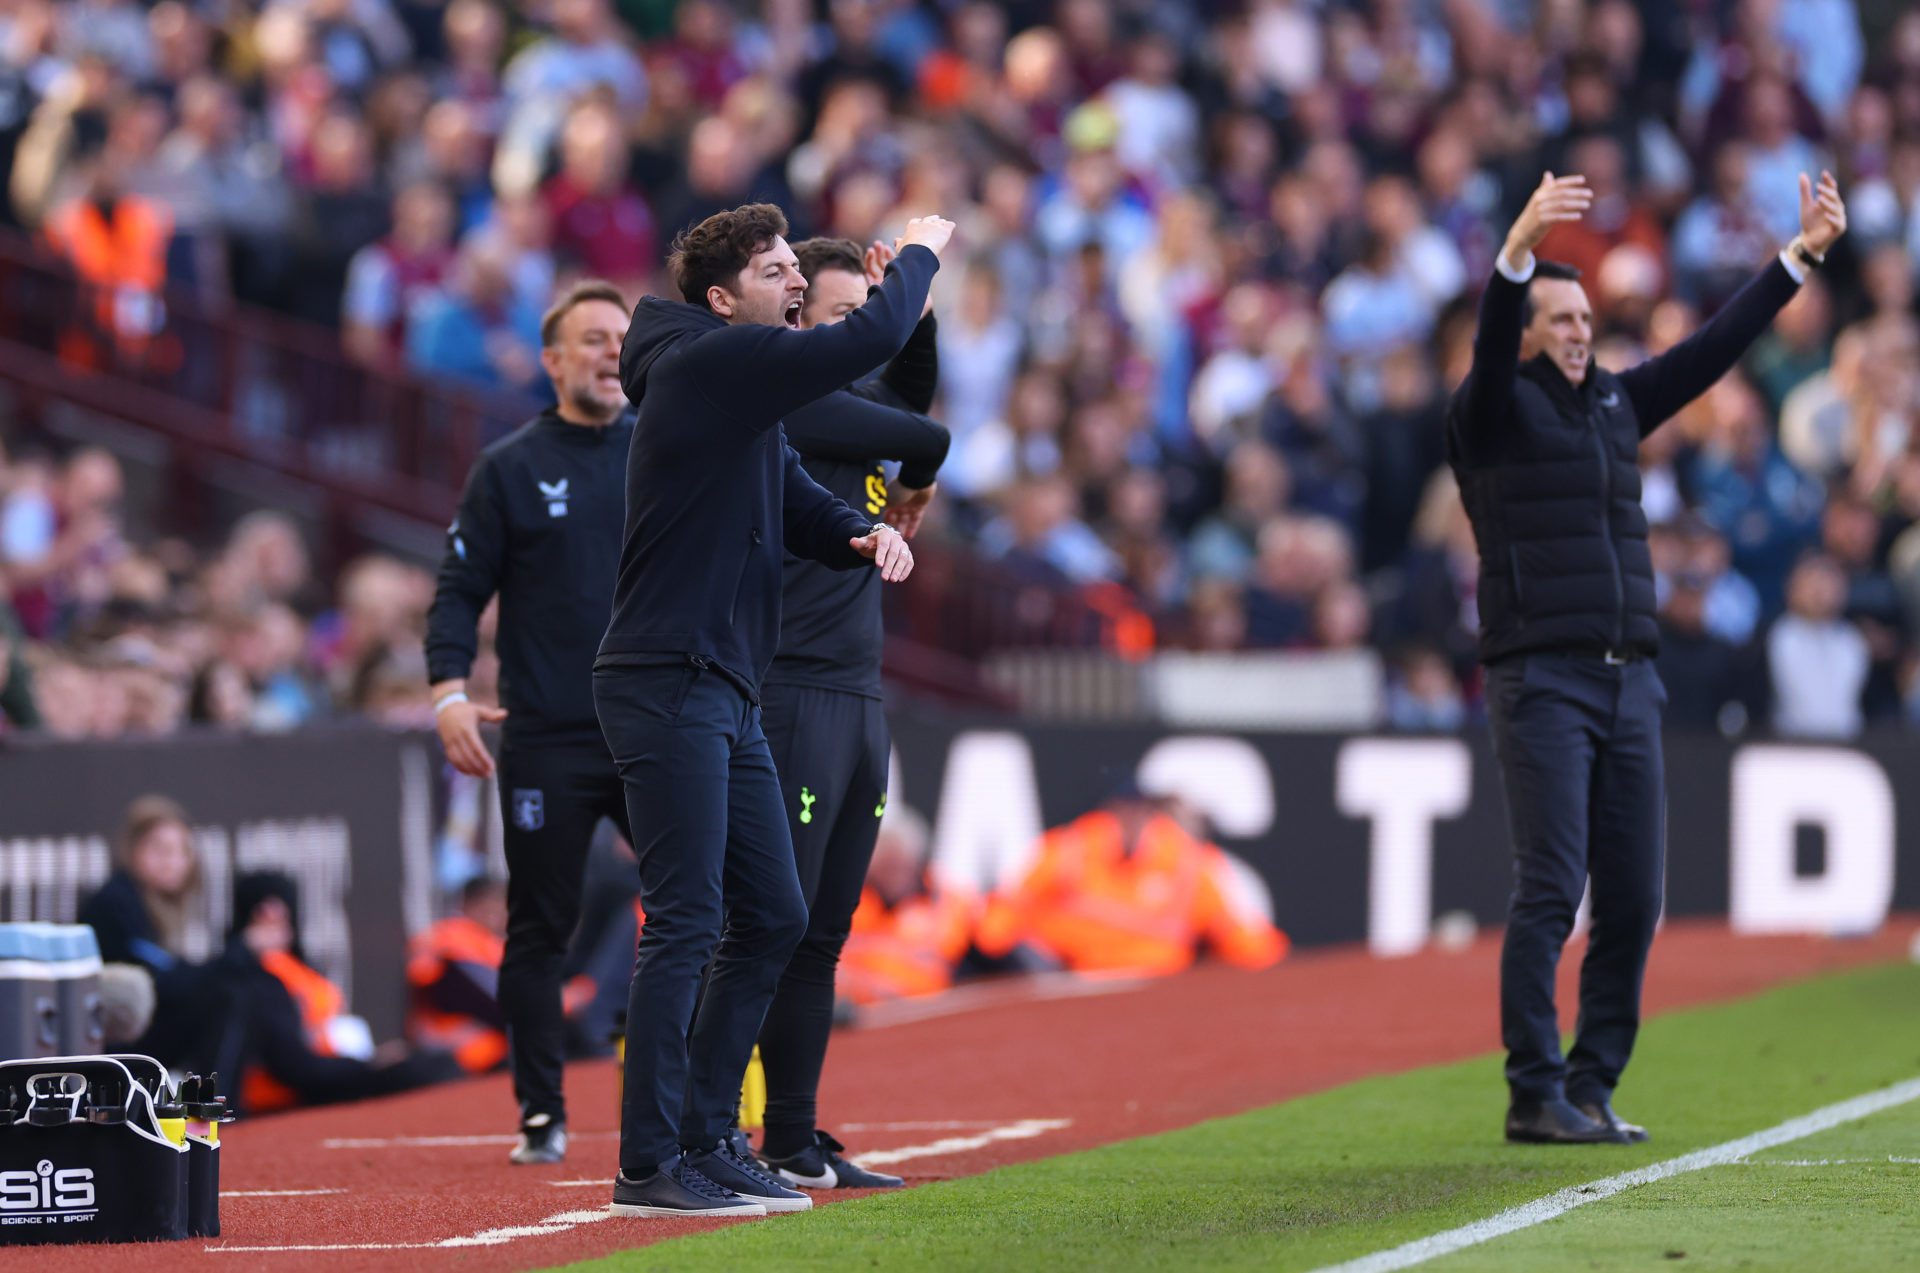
[823,253]
[714,252]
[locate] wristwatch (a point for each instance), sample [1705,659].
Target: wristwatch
[1803,254]
[877,527]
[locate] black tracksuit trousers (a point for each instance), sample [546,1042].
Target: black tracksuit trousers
[831,748]
[1578,740]
[552,796]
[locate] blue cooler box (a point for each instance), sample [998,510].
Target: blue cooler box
[49,990]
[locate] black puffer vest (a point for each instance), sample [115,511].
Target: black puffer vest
[1554,497]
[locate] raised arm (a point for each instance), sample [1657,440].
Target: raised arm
[913,376]
[759,373]
[1660,387]
[850,425]
[1487,391]
[914,373]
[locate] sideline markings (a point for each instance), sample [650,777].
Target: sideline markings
[1025,1129]
[276,1193]
[558,1223]
[1525,1216]
[1827,1162]
[442,1142]
[933,1125]
[996,993]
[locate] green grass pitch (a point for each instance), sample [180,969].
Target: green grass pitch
[1371,1165]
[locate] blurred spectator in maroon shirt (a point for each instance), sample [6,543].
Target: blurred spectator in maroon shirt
[476,37]
[701,49]
[387,278]
[601,224]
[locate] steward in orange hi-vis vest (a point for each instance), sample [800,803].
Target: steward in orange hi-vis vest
[453,974]
[910,948]
[117,243]
[288,1033]
[319,1001]
[1096,902]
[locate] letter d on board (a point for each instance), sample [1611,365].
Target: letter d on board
[1777,790]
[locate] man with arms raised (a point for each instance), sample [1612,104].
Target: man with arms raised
[713,495]
[1545,445]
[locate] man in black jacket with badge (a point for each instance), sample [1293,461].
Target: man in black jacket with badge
[1545,446]
[714,493]
[539,526]
[822,701]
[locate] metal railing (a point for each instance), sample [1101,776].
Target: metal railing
[247,384]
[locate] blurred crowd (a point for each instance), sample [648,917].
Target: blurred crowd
[104,637]
[1218,267]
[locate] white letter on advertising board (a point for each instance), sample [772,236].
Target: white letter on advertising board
[1777,790]
[989,820]
[1402,785]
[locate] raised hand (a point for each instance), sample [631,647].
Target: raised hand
[932,233]
[888,552]
[1823,218]
[877,258]
[1557,199]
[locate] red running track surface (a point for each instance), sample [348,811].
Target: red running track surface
[1001,1077]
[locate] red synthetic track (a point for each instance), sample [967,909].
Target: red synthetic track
[1140,1060]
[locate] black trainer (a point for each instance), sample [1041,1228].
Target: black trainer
[820,1166]
[676,1188]
[543,1139]
[1557,1122]
[725,1167]
[1602,1112]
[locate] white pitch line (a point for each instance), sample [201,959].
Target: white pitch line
[276,1193]
[558,1223]
[1025,1129]
[935,1125]
[1541,1210]
[1827,1162]
[440,1142]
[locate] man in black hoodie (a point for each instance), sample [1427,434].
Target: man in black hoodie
[539,527]
[713,494]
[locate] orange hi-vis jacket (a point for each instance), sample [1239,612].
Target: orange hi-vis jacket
[447,946]
[909,949]
[121,258]
[1095,907]
[319,1001]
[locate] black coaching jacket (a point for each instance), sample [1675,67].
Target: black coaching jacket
[831,634]
[1549,473]
[539,524]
